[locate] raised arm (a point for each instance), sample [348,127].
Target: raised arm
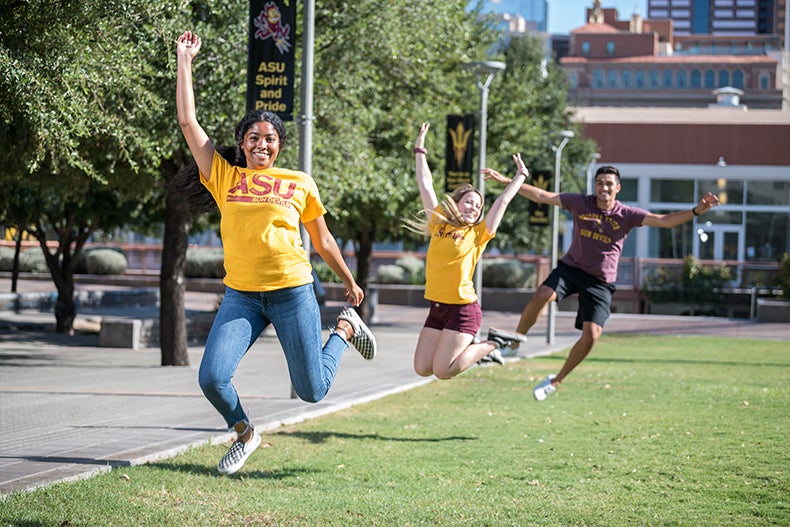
[497,210]
[187,47]
[530,192]
[424,176]
[673,219]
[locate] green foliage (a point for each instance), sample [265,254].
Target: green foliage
[695,283]
[324,272]
[407,269]
[506,272]
[391,274]
[6,258]
[784,275]
[204,262]
[651,431]
[32,261]
[104,261]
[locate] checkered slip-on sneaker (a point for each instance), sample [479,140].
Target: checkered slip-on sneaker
[363,339]
[237,454]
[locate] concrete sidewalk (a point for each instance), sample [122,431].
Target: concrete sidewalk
[70,409]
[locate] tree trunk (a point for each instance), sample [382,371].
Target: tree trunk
[65,308]
[364,253]
[172,284]
[15,265]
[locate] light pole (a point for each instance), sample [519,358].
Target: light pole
[555,228]
[484,75]
[594,159]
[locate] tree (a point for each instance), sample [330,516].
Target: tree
[381,69]
[74,106]
[527,107]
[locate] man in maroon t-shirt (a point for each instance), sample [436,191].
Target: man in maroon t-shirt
[589,268]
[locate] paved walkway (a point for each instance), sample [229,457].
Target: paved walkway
[70,409]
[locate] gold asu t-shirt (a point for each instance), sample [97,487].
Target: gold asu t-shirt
[260,214]
[450,262]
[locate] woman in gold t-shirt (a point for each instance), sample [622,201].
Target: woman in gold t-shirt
[458,233]
[268,275]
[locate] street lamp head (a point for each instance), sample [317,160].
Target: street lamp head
[567,133]
[486,66]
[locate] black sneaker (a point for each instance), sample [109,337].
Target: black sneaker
[507,342]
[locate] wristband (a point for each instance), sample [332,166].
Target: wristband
[694,211]
[420,150]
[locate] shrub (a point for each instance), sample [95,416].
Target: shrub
[33,261]
[696,283]
[784,275]
[203,262]
[105,261]
[508,273]
[324,272]
[392,274]
[101,260]
[6,259]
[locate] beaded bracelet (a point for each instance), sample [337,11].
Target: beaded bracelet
[420,150]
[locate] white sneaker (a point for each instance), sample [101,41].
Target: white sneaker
[237,454]
[545,388]
[363,339]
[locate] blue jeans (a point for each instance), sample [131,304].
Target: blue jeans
[241,318]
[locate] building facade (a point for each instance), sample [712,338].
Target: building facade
[641,62]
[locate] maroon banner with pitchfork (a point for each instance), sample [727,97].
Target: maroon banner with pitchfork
[270,62]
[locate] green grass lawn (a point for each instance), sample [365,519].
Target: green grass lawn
[647,431]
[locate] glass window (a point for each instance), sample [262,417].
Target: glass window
[676,242]
[696,79]
[768,193]
[628,190]
[682,80]
[611,78]
[585,48]
[610,48]
[626,77]
[598,79]
[767,236]
[666,79]
[737,79]
[724,78]
[639,79]
[710,79]
[653,76]
[672,190]
[720,216]
[763,82]
[729,191]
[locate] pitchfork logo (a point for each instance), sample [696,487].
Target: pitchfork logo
[269,24]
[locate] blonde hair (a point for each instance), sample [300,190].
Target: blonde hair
[448,213]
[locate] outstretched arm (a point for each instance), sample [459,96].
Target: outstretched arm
[530,192]
[424,176]
[497,210]
[673,219]
[187,47]
[326,247]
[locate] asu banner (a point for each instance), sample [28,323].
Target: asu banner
[458,154]
[270,62]
[539,212]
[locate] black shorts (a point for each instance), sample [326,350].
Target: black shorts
[595,296]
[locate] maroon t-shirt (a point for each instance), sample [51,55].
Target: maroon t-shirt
[598,236]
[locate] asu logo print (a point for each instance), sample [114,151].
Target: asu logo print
[262,188]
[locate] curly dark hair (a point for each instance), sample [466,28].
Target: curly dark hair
[257,116]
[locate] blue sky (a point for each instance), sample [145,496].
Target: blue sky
[565,15]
